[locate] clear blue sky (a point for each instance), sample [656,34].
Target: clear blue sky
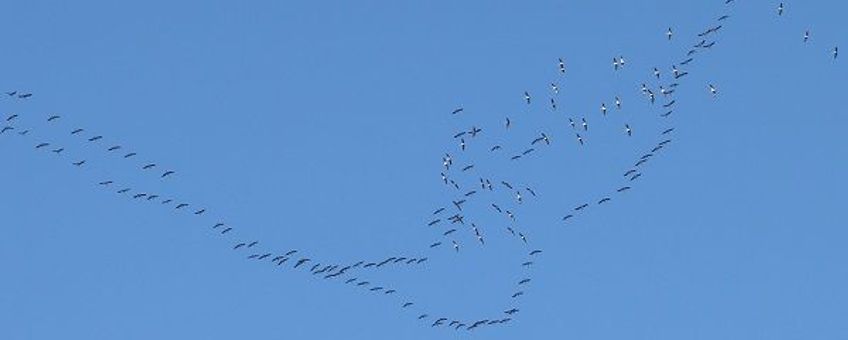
[320,126]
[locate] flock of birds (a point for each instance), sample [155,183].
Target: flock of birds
[476,191]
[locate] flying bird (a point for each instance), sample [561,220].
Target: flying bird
[80,163]
[95,138]
[116,147]
[77,131]
[458,110]
[167,173]
[780,9]
[669,33]
[130,155]
[52,118]
[148,166]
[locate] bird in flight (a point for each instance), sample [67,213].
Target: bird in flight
[130,155]
[457,110]
[52,118]
[116,147]
[95,138]
[628,130]
[41,145]
[167,173]
[713,90]
[835,52]
[80,163]
[669,33]
[527,97]
[76,131]
[806,35]
[561,66]
[148,166]
[780,9]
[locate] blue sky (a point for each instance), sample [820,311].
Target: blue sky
[321,127]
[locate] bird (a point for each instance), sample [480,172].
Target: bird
[527,97]
[148,166]
[52,118]
[567,217]
[667,131]
[553,104]
[512,311]
[448,232]
[422,316]
[95,138]
[25,95]
[438,211]
[669,33]
[523,238]
[713,90]
[508,123]
[11,94]
[780,9]
[468,167]
[506,184]
[434,222]
[604,109]
[462,144]
[617,103]
[116,147]
[657,73]
[104,183]
[604,200]
[581,207]
[628,130]
[579,139]
[130,155]
[527,151]
[6,128]
[41,145]
[238,246]
[139,195]
[806,35]
[687,61]
[723,17]
[168,173]
[80,163]
[669,104]
[13,116]
[200,212]
[524,281]
[585,124]
[517,294]
[434,245]
[59,150]
[615,63]
[76,131]
[123,190]
[181,205]
[537,251]
[455,246]
[407,304]
[561,66]
[457,110]
[350,280]
[835,52]
[301,261]
[554,88]
[622,189]
[152,197]
[531,191]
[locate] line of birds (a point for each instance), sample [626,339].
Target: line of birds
[469,181]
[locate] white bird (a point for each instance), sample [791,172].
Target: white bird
[780,9]
[561,66]
[617,103]
[604,109]
[669,33]
[628,130]
[713,90]
[806,35]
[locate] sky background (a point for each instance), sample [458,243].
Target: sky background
[320,126]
